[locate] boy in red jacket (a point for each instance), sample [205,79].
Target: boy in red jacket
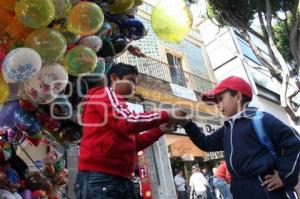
[112,138]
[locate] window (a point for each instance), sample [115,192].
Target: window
[176,70]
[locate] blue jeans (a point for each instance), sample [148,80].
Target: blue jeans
[95,185]
[222,186]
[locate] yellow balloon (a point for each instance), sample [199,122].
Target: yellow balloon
[85,18]
[4,91]
[35,13]
[120,6]
[171,20]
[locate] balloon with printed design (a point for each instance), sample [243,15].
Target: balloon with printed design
[171,20]
[35,13]
[119,6]
[21,64]
[25,121]
[85,18]
[7,113]
[79,60]
[62,8]
[49,43]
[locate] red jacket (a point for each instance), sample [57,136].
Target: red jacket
[111,133]
[223,173]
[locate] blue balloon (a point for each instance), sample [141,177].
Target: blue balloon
[133,29]
[7,113]
[26,121]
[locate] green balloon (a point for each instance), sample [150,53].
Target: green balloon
[79,60]
[35,13]
[49,43]
[62,8]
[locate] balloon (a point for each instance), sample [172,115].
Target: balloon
[26,194]
[28,105]
[2,56]
[38,97]
[21,64]
[80,60]
[105,31]
[133,29]
[62,8]
[4,92]
[47,122]
[49,43]
[85,18]
[7,113]
[12,30]
[51,79]
[13,135]
[26,121]
[171,20]
[137,2]
[14,87]
[8,4]
[113,47]
[119,6]
[5,151]
[35,13]
[93,41]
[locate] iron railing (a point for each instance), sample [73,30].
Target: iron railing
[158,69]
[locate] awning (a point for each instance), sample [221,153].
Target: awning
[181,146]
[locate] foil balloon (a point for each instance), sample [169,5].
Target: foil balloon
[105,31]
[5,151]
[133,29]
[62,8]
[85,18]
[79,60]
[26,121]
[35,13]
[171,20]
[21,64]
[49,43]
[48,123]
[28,105]
[93,41]
[113,47]
[7,113]
[119,6]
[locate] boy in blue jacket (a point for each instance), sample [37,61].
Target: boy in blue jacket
[256,174]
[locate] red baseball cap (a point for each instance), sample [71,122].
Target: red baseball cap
[233,83]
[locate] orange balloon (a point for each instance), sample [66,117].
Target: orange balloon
[6,18]
[14,32]
[8,4]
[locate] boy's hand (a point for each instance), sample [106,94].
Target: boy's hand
[176,114]
[272,182]
[168,127]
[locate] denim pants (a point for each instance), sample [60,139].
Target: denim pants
[223,187]
[95,185]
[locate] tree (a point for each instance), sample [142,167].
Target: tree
[279,22]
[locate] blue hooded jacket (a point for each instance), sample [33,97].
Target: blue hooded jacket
[245,155]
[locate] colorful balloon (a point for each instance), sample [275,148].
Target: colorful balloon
[4,92]
[171,20]
[62,8]
[49,43]
[80,60]
[119,6]
[21,64]
[35,13]
[47,84]
[5,150]
[26,121]
[105,30]
[133,29]
[93,41]
[7,113]
[85,18]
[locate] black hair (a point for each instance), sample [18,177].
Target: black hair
[121,70]
[245,99]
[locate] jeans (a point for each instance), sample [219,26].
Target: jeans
[95,185]
[222,186]
[181,194]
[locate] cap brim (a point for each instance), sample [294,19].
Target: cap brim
[210,96]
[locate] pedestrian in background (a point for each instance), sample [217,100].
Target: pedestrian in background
[198,184]
[222,180]
[180,185]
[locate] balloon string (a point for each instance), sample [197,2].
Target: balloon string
[63,193]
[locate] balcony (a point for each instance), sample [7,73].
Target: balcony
[157,69]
